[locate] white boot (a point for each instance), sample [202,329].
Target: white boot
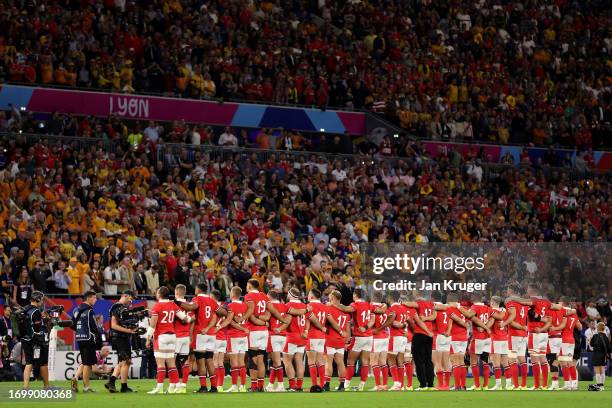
[159,389]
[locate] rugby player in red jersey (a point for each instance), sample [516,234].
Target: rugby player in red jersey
[518,310]
[208,311]
[499,341]
[459,339]
[412,320]
[237,340]
[397,340]
[184,333]
[315,351]
[567,360]
[276,344]
[380,346]
[220,342]
[258,304]
[481,343]
[297,333]
[554,344]
[538,324]
[335,340]
[363,319]
[441,343]
[161,330]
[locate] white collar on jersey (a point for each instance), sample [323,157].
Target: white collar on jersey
[236,301]
[275,301]
[254,291]
[478,304]
[163,301]
[181,299]
[203,295]
[314,301]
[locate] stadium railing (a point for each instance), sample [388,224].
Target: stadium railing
[170,152]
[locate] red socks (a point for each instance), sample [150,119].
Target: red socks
[376,371]
[235,372]
[185,371]
[409,374]
[299,382]
[220,375]
[292,383]
[394,375]
[242,375]
[312,369]
[173,374]
[544,370]
[573,373]
[440,377]
[161,375]
[385,375]
[536,374]
[498,373]
[321,369]
[350,372]
[365,370]
[279,374]
[524,372]
[476,375]
[486,373]
[202,380]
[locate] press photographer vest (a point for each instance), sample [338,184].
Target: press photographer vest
[82,321]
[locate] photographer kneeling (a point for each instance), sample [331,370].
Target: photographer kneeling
[88,338]
[120,340]
[34,336]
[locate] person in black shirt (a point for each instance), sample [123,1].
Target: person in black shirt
[35,340]
[87,337]
[22,290]
[39,275]
[601,353]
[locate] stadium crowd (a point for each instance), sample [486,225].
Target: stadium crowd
[503,71]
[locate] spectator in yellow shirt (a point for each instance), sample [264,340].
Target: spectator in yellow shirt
[74,288]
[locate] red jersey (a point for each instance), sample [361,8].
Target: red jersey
[379,321]
[442,321]
[458,332]
[181,328]
[361,318]
[332,337]
[567,334]
[207,306]
[540,307]
[274,323]
[221,334]
[297,325]
[520,318]
[165,311]
[320,311]
[239,309]
[483,312]
[410,312]
[260,301]
[499,333]
[425,309]
[400,317]
[556,318]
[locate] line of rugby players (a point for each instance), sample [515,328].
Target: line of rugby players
[377,336]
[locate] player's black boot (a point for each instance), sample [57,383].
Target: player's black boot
[213,389]
[110,386]
[326,387]
[202,390]
[125,388]
[316,388]
[340,387]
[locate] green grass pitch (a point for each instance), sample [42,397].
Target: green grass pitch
[433,399]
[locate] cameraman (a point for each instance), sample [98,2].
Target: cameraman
[120,340]
[35,339]
[88,338]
